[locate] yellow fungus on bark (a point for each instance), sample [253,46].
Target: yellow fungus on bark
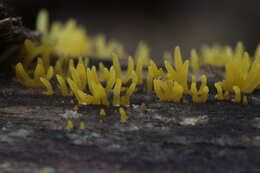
[130,69]
[39,72]
[70,124]
[117,66]
[237,98]
[102,112]
[116,92]
[123,114]
[48,86]
[82,125]
[245,100]
[63,86]
[195,63]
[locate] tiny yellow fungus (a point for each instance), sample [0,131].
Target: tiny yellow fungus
[116,92]
[102,72]
[220,94]
[125,100]
[63,86]
[130,69]
[70,124]
[167,56]
[111,79]
[48,86]
[245,100]
[237,98]
[134,77]
[123,115]
[39,72]
[181,71]
[75,108]
[168,91]
[104,49]
[143,52]
[117,66]
[82,125]
[139,70]
[195,64]
[201,95]
[42,24]
[102,112]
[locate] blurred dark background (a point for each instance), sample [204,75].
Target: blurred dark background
[162,24]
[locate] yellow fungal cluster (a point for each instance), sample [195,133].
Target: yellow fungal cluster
[70,125]
[242,75]
[50,65]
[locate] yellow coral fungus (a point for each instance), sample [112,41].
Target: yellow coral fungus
[70,124]
[245,100]
[143,52]
[48,86]
[139,70]
[125,100]
[117,66]
[63,86]
[240,72]
[168,90]
[237,92]
[201,95]
[82,125]
[39,72]
[102,112]
[116,92]
[123,114]
[181,71]
[130,69]
[104,48]
[195,64]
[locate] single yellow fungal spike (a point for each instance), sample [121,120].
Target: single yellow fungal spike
[126,99]
[48,86]
[70,124]
[167,56]
[84,98]
[245,100]
[102,112]
[39,70]
[237,98]
[177,92]
[195,61]
[157,89]
[63,86]
[111,79]
[194,93]
[204,94]
[143,52]
[82,125]
[117,66]
[42,24]
[220,95]
[134,77]
[178,58]
[116,93]
[139,70]
[130,69]
[172,74]
[123,115]
[203,82]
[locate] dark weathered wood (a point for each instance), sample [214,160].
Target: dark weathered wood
[12,36]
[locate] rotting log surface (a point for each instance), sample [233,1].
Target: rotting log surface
[159,137]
